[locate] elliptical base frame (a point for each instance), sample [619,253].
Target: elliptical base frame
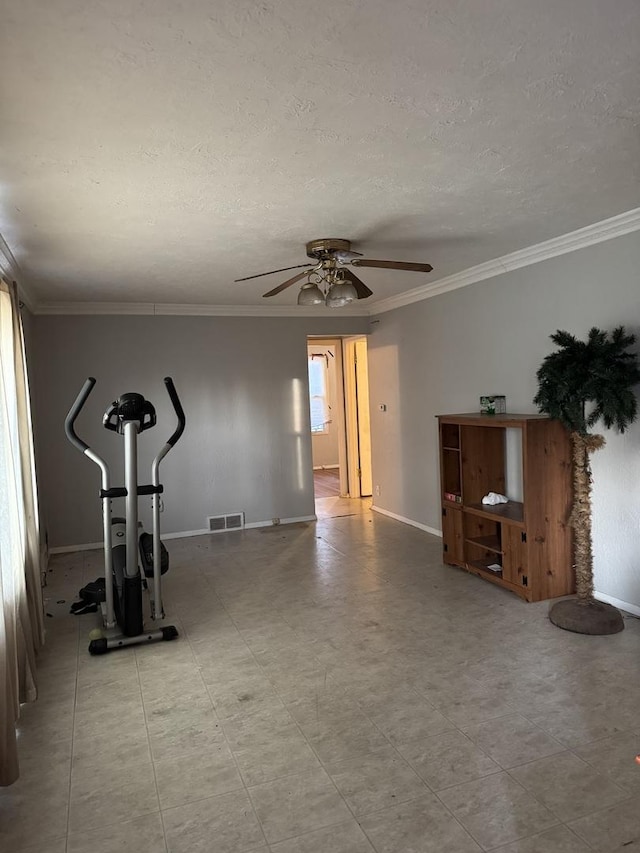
[114,640]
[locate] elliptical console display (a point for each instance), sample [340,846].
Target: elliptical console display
[131,556]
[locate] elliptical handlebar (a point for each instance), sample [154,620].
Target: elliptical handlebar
[173,395]
[74,411]
[82,397]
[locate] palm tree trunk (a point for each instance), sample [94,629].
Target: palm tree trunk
[580,520]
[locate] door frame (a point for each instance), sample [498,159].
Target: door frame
[354,421]
[338,411]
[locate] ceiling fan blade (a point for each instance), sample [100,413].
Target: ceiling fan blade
[361,288]
[286,284]
[284,269]
[393,265]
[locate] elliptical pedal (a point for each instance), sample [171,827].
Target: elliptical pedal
[91,596]
[79,608]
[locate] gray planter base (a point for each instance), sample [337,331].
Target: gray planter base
[590,617]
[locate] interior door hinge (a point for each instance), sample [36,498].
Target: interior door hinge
[359,472]
[525,580]
[523,536]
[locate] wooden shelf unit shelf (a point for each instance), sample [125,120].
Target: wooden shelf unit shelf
[483,566]
[511,513]
[489,543]
[530,540]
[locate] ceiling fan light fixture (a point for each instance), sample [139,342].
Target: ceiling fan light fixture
[344,257]
[340,294]
[329,281]
[310,294]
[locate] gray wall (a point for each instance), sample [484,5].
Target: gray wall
[440,355]
[244,387]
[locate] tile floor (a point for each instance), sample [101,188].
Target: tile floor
[335,689]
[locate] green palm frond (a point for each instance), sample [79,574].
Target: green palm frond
[584,382]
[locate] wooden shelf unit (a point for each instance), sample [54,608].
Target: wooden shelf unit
[531,541]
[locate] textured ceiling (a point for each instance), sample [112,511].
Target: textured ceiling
[154,150]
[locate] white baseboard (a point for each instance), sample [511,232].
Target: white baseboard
[185,534]
[432,530]
[250,526]
[616,602]
[69,549]
[282,521]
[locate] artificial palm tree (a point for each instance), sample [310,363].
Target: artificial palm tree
[580,384]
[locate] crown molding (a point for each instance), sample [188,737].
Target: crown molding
[178,310]
[607,229]
[616,226]
[8,265]
[10,270]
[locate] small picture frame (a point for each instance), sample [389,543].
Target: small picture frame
[493,404]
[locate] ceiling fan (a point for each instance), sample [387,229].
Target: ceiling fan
[329,281]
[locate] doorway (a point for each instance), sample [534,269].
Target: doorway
[340,428]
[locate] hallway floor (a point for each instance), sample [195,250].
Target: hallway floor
[326,482]
[335,689]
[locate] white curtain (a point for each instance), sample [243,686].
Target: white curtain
[21,617]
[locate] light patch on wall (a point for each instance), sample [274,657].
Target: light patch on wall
[299,407]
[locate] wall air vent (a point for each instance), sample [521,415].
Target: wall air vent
[230,521]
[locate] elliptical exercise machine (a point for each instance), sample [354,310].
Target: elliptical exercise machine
[130,555]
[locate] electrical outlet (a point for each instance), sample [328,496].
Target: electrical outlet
[378,491]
